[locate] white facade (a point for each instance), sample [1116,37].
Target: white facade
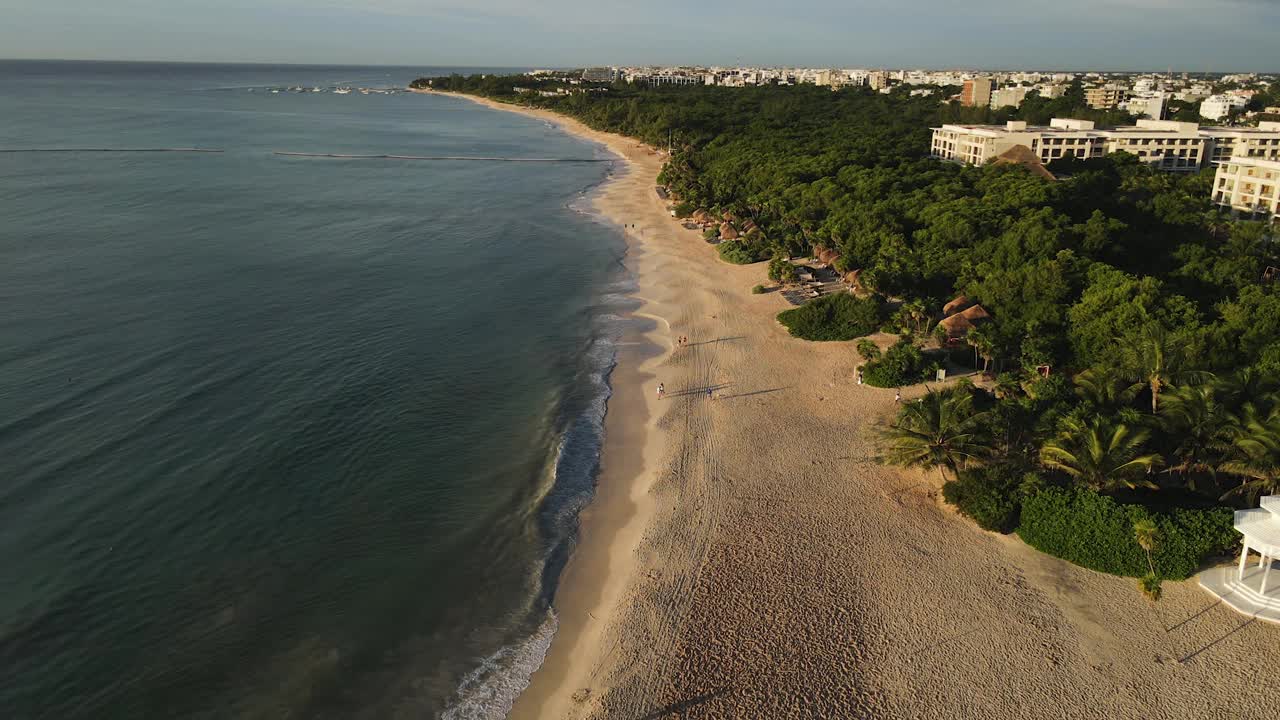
[1249,588]
[1249,186]
[1009,96]
[1217,107]
[1164,144]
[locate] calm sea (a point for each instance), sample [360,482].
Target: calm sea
[288,437]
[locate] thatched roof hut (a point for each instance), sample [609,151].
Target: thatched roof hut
[852,277]
[827,256]
[728,217]
[728,232]
[960,303]
[959,324]
[701,216]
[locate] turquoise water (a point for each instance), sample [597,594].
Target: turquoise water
[286,437]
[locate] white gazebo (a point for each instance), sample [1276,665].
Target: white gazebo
[1248,588]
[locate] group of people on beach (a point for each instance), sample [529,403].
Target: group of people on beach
[662,392]
[682,341]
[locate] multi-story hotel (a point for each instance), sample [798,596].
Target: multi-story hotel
[1168,145]
[1250,187]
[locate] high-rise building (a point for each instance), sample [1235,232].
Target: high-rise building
[878,79]
[976,92]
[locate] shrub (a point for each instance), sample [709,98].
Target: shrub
[990,495]
[781,270]
[711,233]
[757,290]
[868,350]
[733,251]
[1095,531]
[834,317]
[902,364]
[684,209]
[1149,584]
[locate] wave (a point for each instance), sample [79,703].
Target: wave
[490,691]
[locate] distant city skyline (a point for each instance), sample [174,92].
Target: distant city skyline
[1118,35]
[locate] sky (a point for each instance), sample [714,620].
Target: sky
[1196,35]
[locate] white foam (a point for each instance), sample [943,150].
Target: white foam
[490,691]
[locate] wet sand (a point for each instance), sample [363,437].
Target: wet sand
[745,556]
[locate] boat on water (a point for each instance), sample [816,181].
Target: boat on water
[342,91]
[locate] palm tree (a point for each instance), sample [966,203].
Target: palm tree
[1199,421]
[1255,455]
[1103,454]
[1103,389]
[1157,359]
[1249,386]
[983,344]
[1145,533]
[915,315]
[1217,221]
[941,430]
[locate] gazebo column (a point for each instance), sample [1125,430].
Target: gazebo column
[1265,572]
[1244,557]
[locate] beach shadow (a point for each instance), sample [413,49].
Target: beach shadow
[1228,634]
[698,391]
[683,705]
[717,340]
[1207,608]
[756,392]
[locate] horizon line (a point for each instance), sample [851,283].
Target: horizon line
[671,65]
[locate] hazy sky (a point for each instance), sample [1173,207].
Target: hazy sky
[1215,35]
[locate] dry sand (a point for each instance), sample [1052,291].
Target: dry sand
[746,558]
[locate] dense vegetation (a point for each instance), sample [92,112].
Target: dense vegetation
[1097,532]
[834,317]
[903,364]
[1150,308]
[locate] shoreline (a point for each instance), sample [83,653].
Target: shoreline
[751,559]
[594,580]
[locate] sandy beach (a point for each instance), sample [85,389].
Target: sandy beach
[745,557]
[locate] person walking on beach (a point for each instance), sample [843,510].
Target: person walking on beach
[859,376]
[710,395]
[662,391]
[897,396]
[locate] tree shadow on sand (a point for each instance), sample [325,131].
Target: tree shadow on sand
[683,705]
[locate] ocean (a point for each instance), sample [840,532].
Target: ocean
[288,437]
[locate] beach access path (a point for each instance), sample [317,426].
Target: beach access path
[746,557]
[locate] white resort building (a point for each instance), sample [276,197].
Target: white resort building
[1249,588]
[1165,144]
[1249,186]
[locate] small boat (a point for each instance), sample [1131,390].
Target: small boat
[342,91]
